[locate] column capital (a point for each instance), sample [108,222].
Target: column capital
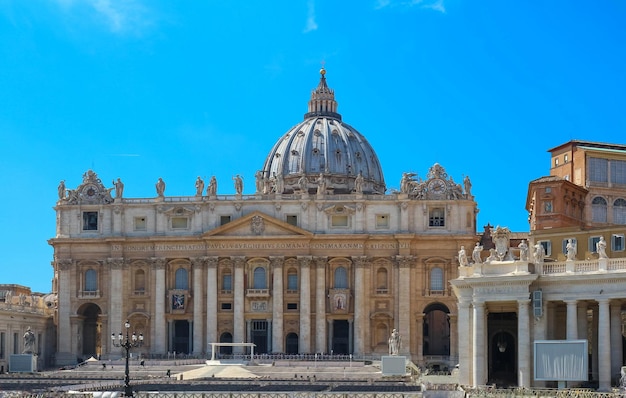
[159,262]
[360,261]
[523,302]
[65,264]
[603,300]
[277,261]
[304,261]
[198,262]
[211,261]
[115,263]
[464,304]
[239,261]
[404,261]
[320,262]
[479,304]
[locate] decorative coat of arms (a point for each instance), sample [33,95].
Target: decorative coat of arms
[257,225]
[501,237]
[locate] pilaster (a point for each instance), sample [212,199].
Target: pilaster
[198,293]
[159,324]
[320,304]
[277,305]
[238,310]
[305,304]
[404,301]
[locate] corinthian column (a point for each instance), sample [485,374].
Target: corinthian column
[523,343]
[238,321]
[604,345]
[160,294]
[404,301]
[359,304]
[277,305]
[211,301]
[305,304]
[116,294]
[64,268]
[198,265]
[320,304]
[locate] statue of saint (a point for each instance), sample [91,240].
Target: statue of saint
[571,250]
[539,253]
[321,184]
[358,183]
[523,250]
[463,257]
[212,188]
[468,186]
[601,248]
[476,253]
[199,186]
[119,188]
[238,184]
[395,342]
[258,176]
[160,187]
[61,190]
[29,342]
[303,183]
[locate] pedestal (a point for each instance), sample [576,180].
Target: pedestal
[393,365]
[25,363]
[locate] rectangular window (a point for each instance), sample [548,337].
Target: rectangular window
[90,221]
[618,172]
[598,170]
[180,222]
[292,282]
[292,219]
[292,306]
[339,221]
[547,247]
[2,345]
[436,218]
[224,220]
[565,158]
[548,189]
[593,241]
[617,242]
[556,162]
[140,224]
[382,220]
[227,282]
[574,242]
[227,306]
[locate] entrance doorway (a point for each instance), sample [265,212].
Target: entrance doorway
[259,336]
[341,337]
[291,343]
[226,338]
[502,349]
[91,338]
[181,337]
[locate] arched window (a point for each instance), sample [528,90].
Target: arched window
[619,211]
[436,279]
[598,209]
[91,280]
[140,281]
[181,279]
[341,278]
[259,278]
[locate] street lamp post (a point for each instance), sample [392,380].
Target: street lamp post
[133,341]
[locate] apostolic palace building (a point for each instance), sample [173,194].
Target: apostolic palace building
[321,258]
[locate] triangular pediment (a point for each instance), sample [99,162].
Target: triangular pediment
[257,224]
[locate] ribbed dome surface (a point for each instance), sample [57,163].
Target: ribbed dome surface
[333,156]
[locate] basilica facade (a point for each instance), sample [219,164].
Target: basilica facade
[319,259]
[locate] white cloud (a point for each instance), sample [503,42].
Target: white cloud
[119,16]
[311,25]
[436,5]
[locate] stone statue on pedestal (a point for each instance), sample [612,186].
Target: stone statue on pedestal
[395,342]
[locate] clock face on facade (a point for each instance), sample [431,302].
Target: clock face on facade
[437,186]
[90,191]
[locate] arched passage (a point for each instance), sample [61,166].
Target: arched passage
[436,331]
[90,339]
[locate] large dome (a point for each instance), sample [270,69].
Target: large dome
[332,156]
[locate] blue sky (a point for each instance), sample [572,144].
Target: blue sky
[142,89]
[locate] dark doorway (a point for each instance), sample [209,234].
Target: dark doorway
[341,337]
[259,336]
[436,330]
[181,337]
[226,338]
[502,349]
[91,330]
[291,343]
